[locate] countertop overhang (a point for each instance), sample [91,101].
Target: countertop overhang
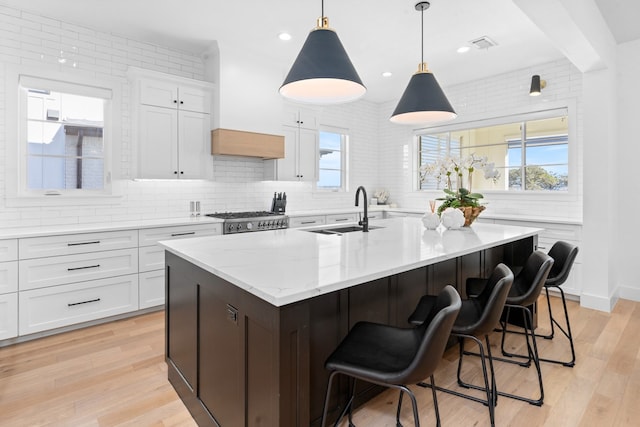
[291,265]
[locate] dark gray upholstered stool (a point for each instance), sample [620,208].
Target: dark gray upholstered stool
[478,316]
[563,254]
[394,357]
[527,286]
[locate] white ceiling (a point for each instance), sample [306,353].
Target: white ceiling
[379,35]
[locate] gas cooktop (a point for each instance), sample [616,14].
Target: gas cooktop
[243,222]
[240,215]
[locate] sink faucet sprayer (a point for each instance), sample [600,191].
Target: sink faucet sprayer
[364,222]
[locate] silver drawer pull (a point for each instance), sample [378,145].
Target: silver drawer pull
[71,304]
[341,219]
[83,268]
[307,222]
[84,243]
[182,234]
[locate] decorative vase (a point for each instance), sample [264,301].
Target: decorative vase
[431,220]
[452,218]
[470,213]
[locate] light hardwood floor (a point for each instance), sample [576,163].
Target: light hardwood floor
[114,375]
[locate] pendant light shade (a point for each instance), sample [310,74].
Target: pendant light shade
[322,73]
[423,101]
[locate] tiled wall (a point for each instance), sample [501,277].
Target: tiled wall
[498,96]
[31,40]
[380,152]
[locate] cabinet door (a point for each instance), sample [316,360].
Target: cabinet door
[159,93]
[194,149]
[286,169]
[8,315]
[308,155]
[158,152]
[194,99]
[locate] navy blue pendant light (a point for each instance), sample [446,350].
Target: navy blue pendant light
[322,73]
[423,101]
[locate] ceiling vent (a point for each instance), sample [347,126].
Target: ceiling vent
[483,42]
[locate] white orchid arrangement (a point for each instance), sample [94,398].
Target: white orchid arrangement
[452,167]
[449,167]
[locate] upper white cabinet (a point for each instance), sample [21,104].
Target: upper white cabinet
[300,162]
[172,123]
[174,95]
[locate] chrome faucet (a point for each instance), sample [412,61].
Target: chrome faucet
[364,222]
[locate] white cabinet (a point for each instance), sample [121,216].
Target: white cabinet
[341,218]
[173,143]
[552,233]
[169,94]
[172,123]
[72,278]
[151,257]
[306,221]
[8,288]
[300,162]
[8,315]
[54,307]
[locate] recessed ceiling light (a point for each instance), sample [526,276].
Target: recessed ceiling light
[284,36]
[463,49]
[387,74]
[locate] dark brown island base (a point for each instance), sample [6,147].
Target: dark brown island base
[236,359]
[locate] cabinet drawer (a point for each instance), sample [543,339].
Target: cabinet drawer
[341,218]
[375,215]
[45,272]
[8,250]
[150,236]
[306,221]
[151,288]
[8,277]
[151,258]
[58,306]
[68,244]
[8,316]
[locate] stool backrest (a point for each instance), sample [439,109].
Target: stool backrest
[563,254]
[433,335]
[530,280]
[490,301]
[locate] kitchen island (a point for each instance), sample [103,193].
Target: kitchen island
[252,317]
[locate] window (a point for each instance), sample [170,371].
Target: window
[532,153]
[332,160]
[63,142]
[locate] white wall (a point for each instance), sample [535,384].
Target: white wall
[497,96]
[627,172]
[34,41]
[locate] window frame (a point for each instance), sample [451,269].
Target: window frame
[567,109]
[344,159]
[17,192]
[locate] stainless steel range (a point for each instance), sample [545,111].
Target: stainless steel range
[243,222]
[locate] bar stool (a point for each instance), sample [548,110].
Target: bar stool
[563,254]
[394,357]
[527,286]
[478,316]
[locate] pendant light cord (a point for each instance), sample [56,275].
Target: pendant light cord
[421,38]
[322,9]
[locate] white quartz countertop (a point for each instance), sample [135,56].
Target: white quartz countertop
[49,230]
[290,265]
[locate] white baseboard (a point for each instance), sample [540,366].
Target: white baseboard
[598,302]
[627,292]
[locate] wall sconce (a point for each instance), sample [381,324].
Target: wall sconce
[537,85]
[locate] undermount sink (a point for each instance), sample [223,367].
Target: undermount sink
[341,230]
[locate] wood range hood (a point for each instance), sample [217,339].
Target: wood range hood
[249,144]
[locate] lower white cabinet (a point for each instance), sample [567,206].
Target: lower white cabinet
[51,271]
[8,277]
[64,305]
[151,288]
[8,315]
[151,257]
[306,221]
